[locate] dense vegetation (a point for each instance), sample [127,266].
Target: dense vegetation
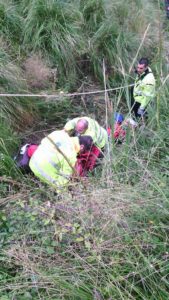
[107,238]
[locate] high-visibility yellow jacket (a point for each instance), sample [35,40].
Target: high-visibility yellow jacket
[144,88]
[49,165]
[98,133]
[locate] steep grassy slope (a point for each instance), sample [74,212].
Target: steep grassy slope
[106,238]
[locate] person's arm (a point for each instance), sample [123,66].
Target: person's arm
[148,93]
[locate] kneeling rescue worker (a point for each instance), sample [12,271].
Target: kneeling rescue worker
[83,126]
[87,126]
[54,160]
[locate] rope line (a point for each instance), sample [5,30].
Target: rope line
[64,94]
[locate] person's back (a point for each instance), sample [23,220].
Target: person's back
[48,164]
[93,129]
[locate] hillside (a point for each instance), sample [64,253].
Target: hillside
[106,237]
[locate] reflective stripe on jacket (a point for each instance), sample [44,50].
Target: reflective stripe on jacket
[98,133]
[49,165]
[144,88]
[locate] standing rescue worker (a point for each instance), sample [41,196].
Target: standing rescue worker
[87,126]
[54,160]
[144,88]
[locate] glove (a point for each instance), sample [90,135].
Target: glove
[141,111]
[24,148]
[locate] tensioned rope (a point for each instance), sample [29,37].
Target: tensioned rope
[64,94]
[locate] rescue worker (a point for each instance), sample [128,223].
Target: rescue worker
[144,88]
[54,160]
[87,126]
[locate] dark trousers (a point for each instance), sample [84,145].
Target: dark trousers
[134,105]
[135,108]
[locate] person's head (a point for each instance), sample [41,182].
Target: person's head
[142,65]
[81,126]
[85,142]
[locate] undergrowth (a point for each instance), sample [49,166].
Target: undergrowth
[107,236]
